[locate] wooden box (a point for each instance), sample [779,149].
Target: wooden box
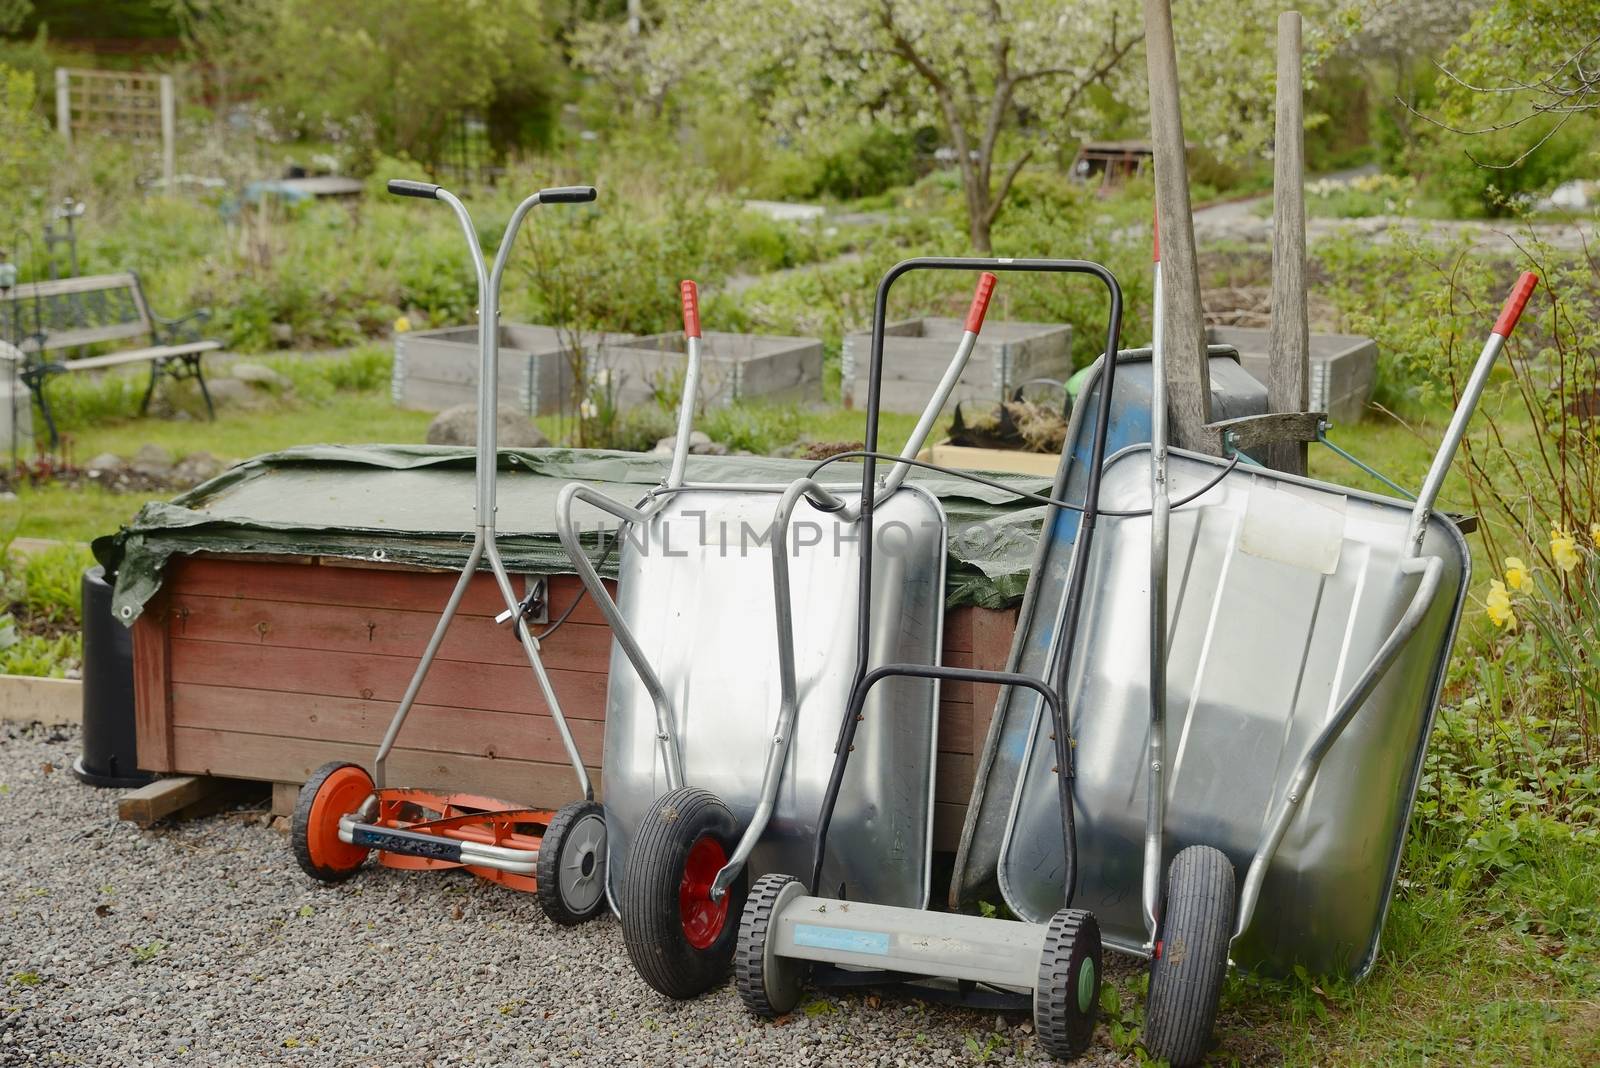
[916,353]
[438,369]
[1343,371]
[265,668]
[732,367]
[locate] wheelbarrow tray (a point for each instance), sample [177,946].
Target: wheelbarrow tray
[696,588]
[1281,591]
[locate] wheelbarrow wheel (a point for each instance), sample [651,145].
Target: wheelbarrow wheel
[572,864]
[1066,999]
[679,939]
[1191,958]
[768,984]
[336,789]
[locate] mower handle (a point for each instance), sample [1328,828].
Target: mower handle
[567,194]
[405,187]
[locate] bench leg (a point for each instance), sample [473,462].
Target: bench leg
[156,367]
[35,384]
[200,377]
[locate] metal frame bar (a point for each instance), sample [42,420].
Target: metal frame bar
[1061,714]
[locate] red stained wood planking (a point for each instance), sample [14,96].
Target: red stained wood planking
[152,707]
[294,759]
[380,631]
[265,669]
[333,581]
[469,731]
[453,683]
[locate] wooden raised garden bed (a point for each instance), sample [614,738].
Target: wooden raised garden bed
[266,667]
[916,353]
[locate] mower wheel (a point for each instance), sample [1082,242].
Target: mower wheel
[336,789]
[1066,1000]
[679,939]
[1191,959]
[769,985]
[572,864]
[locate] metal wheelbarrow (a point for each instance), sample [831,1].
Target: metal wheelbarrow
[719,740]
[344,813]
[1294,668]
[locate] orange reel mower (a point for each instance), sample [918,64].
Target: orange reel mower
[344,813]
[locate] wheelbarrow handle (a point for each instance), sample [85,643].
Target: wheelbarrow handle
[689,298]
[1517,301]
[1470,395]
[980,302]
[690,295]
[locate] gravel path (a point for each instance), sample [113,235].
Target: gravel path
[202,943]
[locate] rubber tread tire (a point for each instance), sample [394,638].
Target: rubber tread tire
[300,822]
[552,846]
[652,928]
[1186,979]
[1064,1032]
[749,959]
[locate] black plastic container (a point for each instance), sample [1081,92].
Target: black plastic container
[109,735]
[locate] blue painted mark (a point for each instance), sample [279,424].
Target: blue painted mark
[873,942]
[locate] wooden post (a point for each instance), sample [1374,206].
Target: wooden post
[169,134]
[64,104]
[1289,340]
[1188,373]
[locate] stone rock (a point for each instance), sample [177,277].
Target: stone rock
[459,426]
[152,461]
[700,444]
[196,468]
[260,376]
[282,333]
[232,393]
[106,463]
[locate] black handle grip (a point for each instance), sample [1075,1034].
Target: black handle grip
[403,187]
[567,194]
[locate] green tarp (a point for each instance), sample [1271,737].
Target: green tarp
[413,504]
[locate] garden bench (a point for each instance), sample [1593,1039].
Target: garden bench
[46,317]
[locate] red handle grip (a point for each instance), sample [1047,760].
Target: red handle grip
[691,308]
[980,302]
[1515,303]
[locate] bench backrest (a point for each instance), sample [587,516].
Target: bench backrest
[76,311]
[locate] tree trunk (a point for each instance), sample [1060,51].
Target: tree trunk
[978,232]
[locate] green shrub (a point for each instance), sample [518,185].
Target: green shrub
[40,609]
[856,160]
[1490,189]
[753,427]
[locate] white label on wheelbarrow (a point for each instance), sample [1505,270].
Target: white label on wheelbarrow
[873,942]
[1294,525]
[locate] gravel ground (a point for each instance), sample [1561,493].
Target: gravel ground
[202,943]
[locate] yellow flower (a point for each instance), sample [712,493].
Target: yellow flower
[1594,534]
[402,324]
[1498,606]
[1563,549]
[1516,572]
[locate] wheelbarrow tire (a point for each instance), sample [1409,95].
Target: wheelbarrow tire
[572,864]
[1066,999]
[769,985]
[681,941]
[334,790]
[1187,973]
